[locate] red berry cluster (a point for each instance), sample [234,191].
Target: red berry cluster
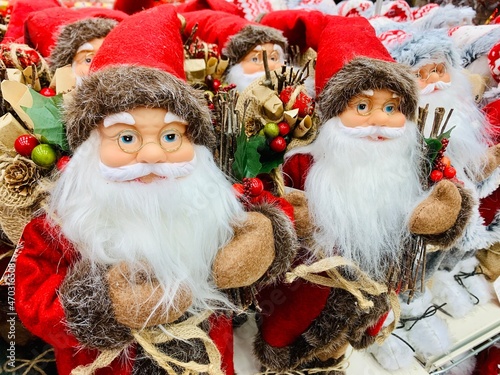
[442,165]
[250,188]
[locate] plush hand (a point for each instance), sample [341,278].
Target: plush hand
[438,212]
[303,223]
[248,256]
[135,298]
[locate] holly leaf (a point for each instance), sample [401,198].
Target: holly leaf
[270,164]
[445,134]
[247,157]
[46,116]
[433,147]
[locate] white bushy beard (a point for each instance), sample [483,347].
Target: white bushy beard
[241,79]
[468,140]
[175,226]
[361,193]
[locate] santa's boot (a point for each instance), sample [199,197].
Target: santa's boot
[446,290]
[395,352]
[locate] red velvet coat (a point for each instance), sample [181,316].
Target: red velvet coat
[40,269]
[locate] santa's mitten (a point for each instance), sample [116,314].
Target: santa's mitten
[139,300]
[303,222]
[249,254]
[89,312]
[394,353]
[446,290]
[262,248]
[443,215]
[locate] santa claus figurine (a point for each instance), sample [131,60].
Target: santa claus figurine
[78,42]
[472,151]
[363,212]
[142,232]
[241,41]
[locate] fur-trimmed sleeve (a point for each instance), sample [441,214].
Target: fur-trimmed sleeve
[84,295]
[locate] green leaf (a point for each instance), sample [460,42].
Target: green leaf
[269,165]
[433,147]
[46,116]
[446,134]
[247,157]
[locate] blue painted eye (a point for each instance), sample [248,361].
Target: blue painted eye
[170,137]
[390,108]
[363,107]
[128,138]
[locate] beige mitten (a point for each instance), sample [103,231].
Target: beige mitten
[438,212]
[248,256]
[303,223]
[135,298]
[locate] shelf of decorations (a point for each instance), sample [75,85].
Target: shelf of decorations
[32,138]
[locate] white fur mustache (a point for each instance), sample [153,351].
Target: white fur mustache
[440,85]
[138,170]
[373,131]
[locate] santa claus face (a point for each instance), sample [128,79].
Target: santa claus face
[144,136]
[253,62]
[84,56]
[430,76]
[251,67]
[374,114]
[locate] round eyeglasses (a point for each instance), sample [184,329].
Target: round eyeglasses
[131,141]
[424,73]
[364,107]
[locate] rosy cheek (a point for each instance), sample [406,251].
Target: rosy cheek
[113,156]
[397,120]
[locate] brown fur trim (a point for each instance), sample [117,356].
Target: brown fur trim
[250,36]
[85,298]
[121,88]
[74,35]
[341,322]
[285,242]
[368,74]
[184,351]
[448,238]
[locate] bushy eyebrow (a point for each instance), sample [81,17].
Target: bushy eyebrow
[119,118]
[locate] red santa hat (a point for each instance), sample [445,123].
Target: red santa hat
[43,27]
[355,8]
[300,28]
[351,60]
[140,64]
[494,62]
[234,35]
[76,34]
[21,9]
[397,10]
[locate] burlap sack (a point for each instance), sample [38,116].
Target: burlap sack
[489,261]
